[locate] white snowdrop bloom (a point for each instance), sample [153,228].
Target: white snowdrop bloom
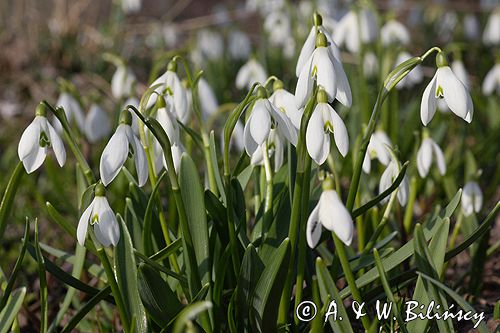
[324,120]
[275,145]
[472,198]
[96,124]
[36,141]
[122,82]
[350,32]
[278,27]
[208,100]
[415,76]
[250,73]
[330,213]
[72,109]
[237,138]
[329,74]
[471,27]
[174,92]
[167,121]
[388,177]
[131,6]
[122,144]
[263,116]
[100,215]
[491,33]
[176,149]
[210,43]
[491,82]
[239,45]
[377,148]
[394,32]
[284,101]
[370,64]
[457,66]
[428,151]
[310,44]
[170,35]
[445,84]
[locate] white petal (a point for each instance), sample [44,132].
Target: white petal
[335,217]
[367,163]
[114,155]
[208,101]
[57,145]
[379,145]
[455,94]
[179,95]
[260,122]
[107,230]
[492,80]
[472,198]
[284,125]
[83,223]
[344,94]
[29,142]
[441,164]
[339,132]
[304,84]
[250,144]
[313,228]
[141,163]
[386,180]
[325,72]
[306,51]
[285,102]
[96,124]
[317,141]
[424,158]
[169,123]
[428,104]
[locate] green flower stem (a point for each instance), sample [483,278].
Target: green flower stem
[303,170]
[268,203]
[70,138]
[9,195]
[408,217]
[349,276]
[122,310]
[207,152]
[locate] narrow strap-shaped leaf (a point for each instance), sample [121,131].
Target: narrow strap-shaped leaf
[188,314]
[8,196]
[9,313]
[147,241]
[44,306]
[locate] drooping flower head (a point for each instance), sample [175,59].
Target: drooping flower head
[122,82]
[96,124]
[99,215]
[264,116]
[445,85]
[428,151]
[491,82]
[357,27]
[394,32]
[123,143]
[377,148]
[285,102]
[324,121]
[472,198]
[36,141]
[72,109]
[330,213]
[251,72]
[491,33]
[388,177]
[328,73]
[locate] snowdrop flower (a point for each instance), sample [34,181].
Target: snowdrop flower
[324,120]
[285,102]
[263,117]
[388,177]
[239,45]
[310,44]
[471,27]
[394,32]
[174,92]
[72,109]
[415,76]
[167,121]
[330,213]
[491,33]
[131,6]
[275,146]
[491,82]
[210,44]
[472,198]
[328,72]
[122,82]
[377,148]
[370,64]
[36,140]
[101,216]
[96,124]
[208,101]
[426,153]
[122,144]
[250,73]
[457,66]
[278,27]
[170,35]
[135,121]
[445,84]
[350,32]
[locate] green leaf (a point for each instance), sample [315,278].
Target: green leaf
[188,314]
[147,241]
[9,313]
[44,307]
[193,197]
[456,297]
[8,196]
[160,301]
[267,295]
[126,277]
[328,289]
[215,166]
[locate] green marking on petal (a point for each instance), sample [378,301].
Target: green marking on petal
[328,127]
[169,91]
[130,151]
[44,140]
[439,92]
[94,219]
